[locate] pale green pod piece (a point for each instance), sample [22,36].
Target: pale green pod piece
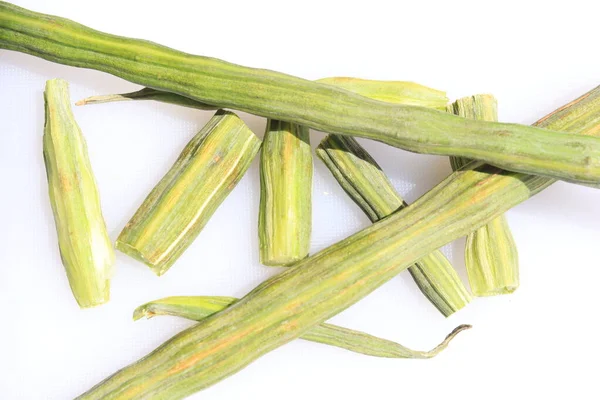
[287,305]
[85,248]
[181,204]
[285,210]
[398,92]
[367,185]
[198,308]
[491,254]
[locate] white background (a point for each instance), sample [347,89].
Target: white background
[534,56]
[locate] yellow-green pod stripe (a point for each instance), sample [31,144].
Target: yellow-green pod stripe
[285,210]
[320,286]
[198,308]
[177,209]
[85,248]
[491,254]
[316,105]
[361,177]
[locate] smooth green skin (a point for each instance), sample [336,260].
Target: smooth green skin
[198,308]
[316,105]
[185,199]
[85,248]
[285,210]
[491,255]
[362,178]
[288,305]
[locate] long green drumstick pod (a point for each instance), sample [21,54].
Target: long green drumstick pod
[177,209]
[361,177]
[85,248]
[490,252]
[198,308]
[317,105]
[285,210]
[288,305]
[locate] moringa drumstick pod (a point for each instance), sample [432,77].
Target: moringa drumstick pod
[85,248]
[490,252]
[361,177]
[181,204]
[288,305]
[573,158]
[198,308]
[285,210]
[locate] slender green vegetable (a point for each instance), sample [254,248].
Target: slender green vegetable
[285,211]
[399,92]
[85,249]
[490,252]
[147,94]
[316,105]
[288,305]
[361,177]
[198,308]
[177,209]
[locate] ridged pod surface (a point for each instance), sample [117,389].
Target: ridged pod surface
[184,200]
[288,305]
[285,210]
[491,255]
[85,248]
[361,177]
[317,105]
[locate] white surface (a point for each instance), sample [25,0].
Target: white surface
[533,57]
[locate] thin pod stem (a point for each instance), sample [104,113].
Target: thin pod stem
[399,92]
[285,210]
[320,286]
[362,178]
[197,308]
[573,158]
[147,94]
[181,204]
[85,248]
[491,254]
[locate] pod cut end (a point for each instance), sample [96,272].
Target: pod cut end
[143,311]
[136,254]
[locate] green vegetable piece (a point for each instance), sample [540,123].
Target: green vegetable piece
[198,308]
[85,249]
[285,211]
[177,209]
